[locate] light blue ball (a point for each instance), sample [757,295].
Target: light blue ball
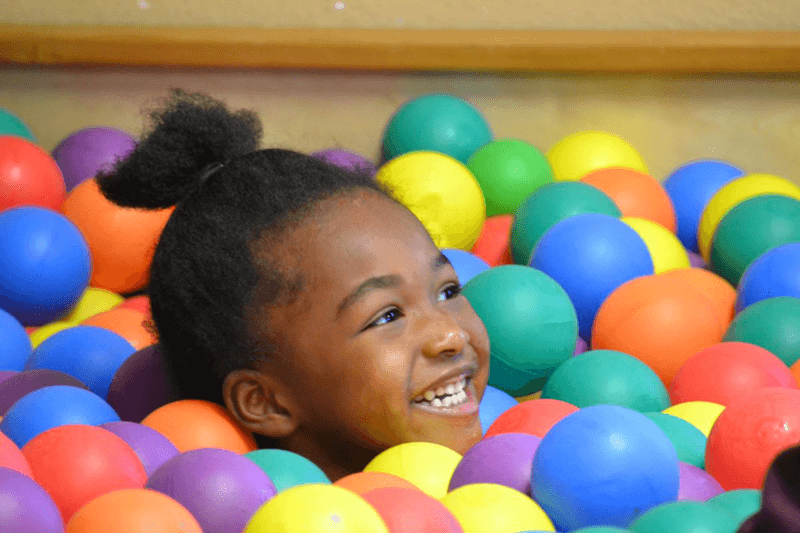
[287,469]
[466,264]
[493,404]
[773,274]
[15,345]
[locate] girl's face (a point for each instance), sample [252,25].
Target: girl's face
[380,348]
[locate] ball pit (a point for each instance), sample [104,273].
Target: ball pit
[774,274]
[427,466]
[15,346]
[11,124]
[688,441]
[362,482]
[482,507]
[151,447]
[41,334]
[409,510]
[696,484]
[27,507]
[493,404]
[685,516]
[666,251]
[286,469]
[466,265]
[346,159]
[580,153]
[773,324]
[534,417]
[28,175]
[11,457]
[504,459]
[493,244]
[127,323]
[741,503]
[92,302]
[85,153]
[19,384]
[719,292]
[700,414]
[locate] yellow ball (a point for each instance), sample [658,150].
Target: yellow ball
[441,192]
[93,301]
[428,466]
[482,507]
[578,154]
[316,508]
[731,195]
[665,248]
[43,333]
[701,415]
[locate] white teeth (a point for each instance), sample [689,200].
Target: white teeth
[447,401]
[450,389]
[437,402]
[450,395]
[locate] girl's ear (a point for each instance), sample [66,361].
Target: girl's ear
[258,403]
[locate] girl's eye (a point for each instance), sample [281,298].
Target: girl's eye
[389,316]
[450,292]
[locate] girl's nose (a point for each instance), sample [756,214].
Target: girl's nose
[443,336]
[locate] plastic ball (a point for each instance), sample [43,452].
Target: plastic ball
[44,264]
[691,187]
[466,265]
[127,323]
[665,249]
[26,506]
[549,205]
[362,482]
[51,407]
[194,424]
[657,324]
[493,404]
[11,457]
[133,511]
[531,324]
[92,302]
[5,374]
[152,448]
[580,347]
[741,503]
[688,441]
[696,484]
[750,229]
[508,171]
[76,463]
[15,346]
[441,192]
[637,194]
[774,274]
[85,153]
[700,414]
[482,507]
[28,175]
[607,377]
[534,417]
[121,269]
[504,459]
[287,469]
[439,123]
[142,384]
[494,242]
[43,333]
[696,260]
[139,303]
[346,159]
[21,383]
[317,508]
[221,489]
[773,324]
[11,124]
[427,465]
[719,292]
[737,368]
[624,466]
[731,195]
[406,510]
[92,355]
[578,154]
[684,517]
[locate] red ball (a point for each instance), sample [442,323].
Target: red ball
[724,372]
[411,511]
[533,417]
[749,434]
[493,244]
[75,464]
[11,457]
[28,175]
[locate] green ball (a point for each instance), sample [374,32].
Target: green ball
[773,324]
[438,123]
[531,323]
[552,203]
[685,517]
[741,503]
[509,170]
[287,469]
[607,377]
[750,229]
[689,442]
[11,124]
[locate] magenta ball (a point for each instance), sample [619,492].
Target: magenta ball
[580,347]
[81,155]
[504,459]
[25,507]
[152,448]
[221,489]
[346,159]
[696,484]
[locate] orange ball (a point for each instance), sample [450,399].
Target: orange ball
[636,194]
[725,372]
[122,240]
[657,322]
[126,323]
[28,175]
[133,511]
[533,417]
[721,293]
[194,424]
[362,482]
[493,244]
[795,369]
[139,303]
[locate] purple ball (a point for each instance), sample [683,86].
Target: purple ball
[222,489]
[81,155]
[580,347]
[346,159]
[15,387]
[25,507]
[505,459]
[153,448]
[696,260]
[141,385]
[5,374]
[696,484]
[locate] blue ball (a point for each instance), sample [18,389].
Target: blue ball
[44,264]
[287,469]
[88,353]
[15,345]
[690,188]
[466,265]
[494,403]
[590,255]
[774,273]
[603,465]
[51,407]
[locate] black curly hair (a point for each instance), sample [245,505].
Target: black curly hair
[208,273]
